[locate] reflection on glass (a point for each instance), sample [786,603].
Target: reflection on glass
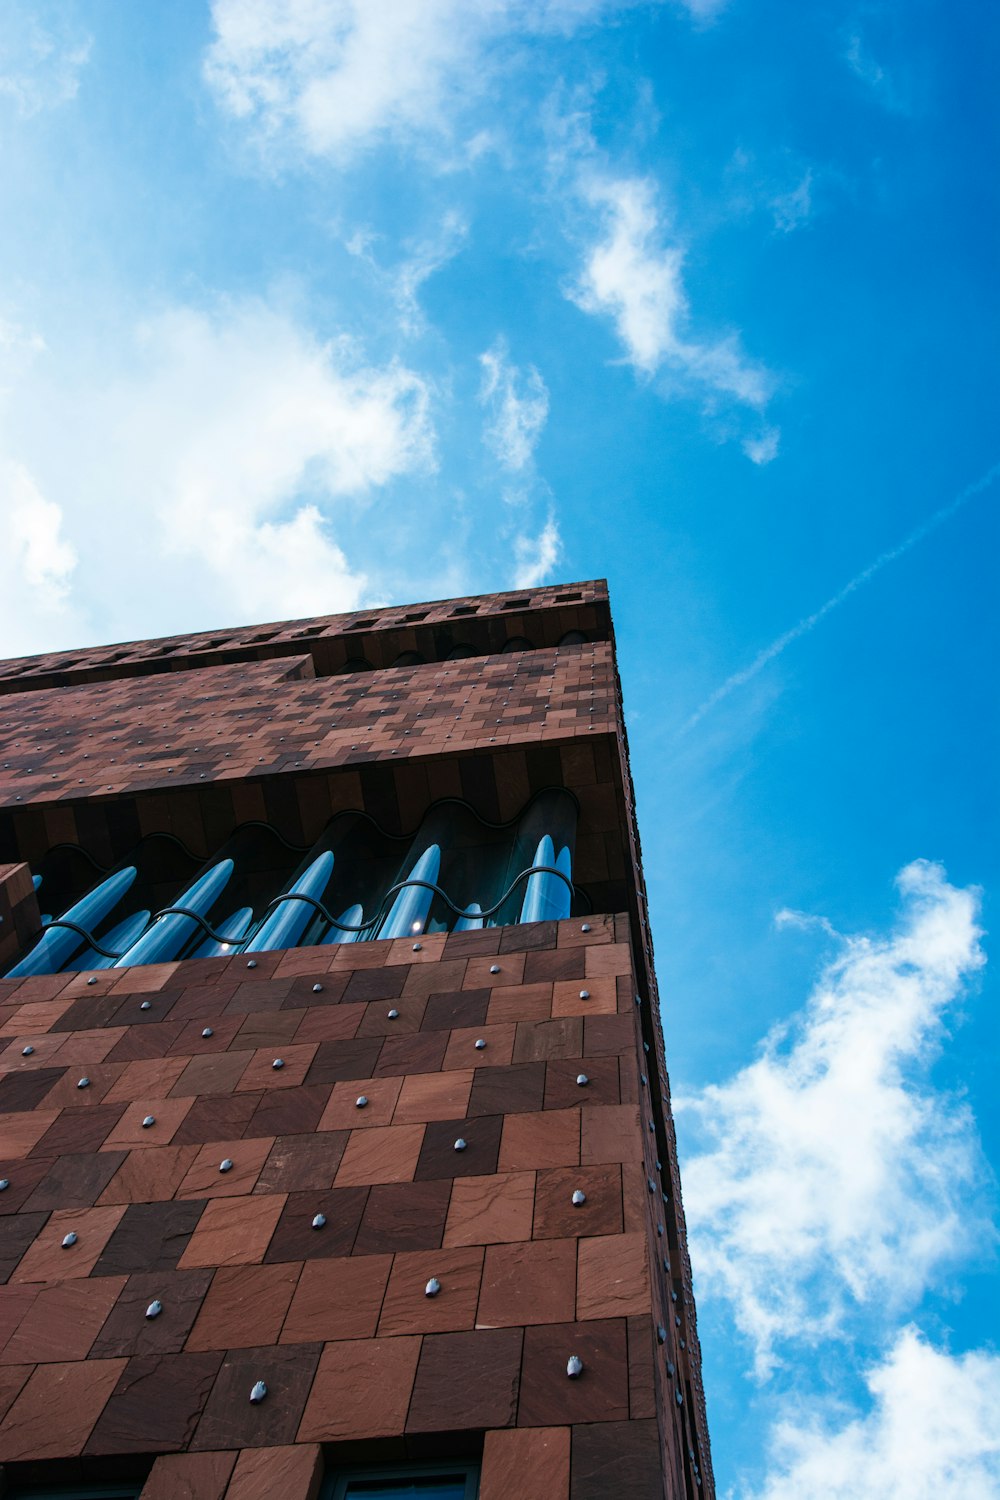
[231,932]
[471,918]
[117,939]
[408,913]
[288,921]
[546,897]
[170,934]
[57,944]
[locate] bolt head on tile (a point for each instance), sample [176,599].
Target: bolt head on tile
[393,1014]
[27,1051]
[145,1005]
[279,1062]
[226,1165]
[494,968]
[4,1184]
[582,1080]
[319,1221]
[155,1308]
[252,964]
[92,979]
[361,1101]
[417,947]
[579,1198]
[678,1398]
[317,989]
[83,1083]
[258,1392]
[148,1121]
[585,927]
[432,1288]
[207,1031]
[574,1367]
[584,994]
[460,1144]
[69,1239]
[480,1043]
[661,1334]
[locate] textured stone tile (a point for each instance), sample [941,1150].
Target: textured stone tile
[537,1041]
[268,1029]
[337,1299]
[389,1154]
[529,1462]
[76,1181]
[641,1367]
[289,1111]
[330,1023]
[528,1283]
[407,1309]
[295,1239]
[613,1277]
[604,1035]
[343,1113]
[301,1162]
[129,1333]
[563,1092]
[13,1379]
[362,1390]
[55,1413]
[261,1073]
[526,1002]
[231,1420]
[518,1089]
[433,1096]
[148,1237]
[456,1008]
[422,1052]
[14,1304]
[554,963]
[217,1073]
[150,1175]
[601,997]
[233,1231]
[63,1321]
[466,1380]
[403,1216]
[20,1133]
[608,959]
[130,1132]
[152,1078]
[376,1021]
[556,1216]
[621,1458]
[611,1134]
[46,1260]
[490,1210]
[244,1304]
[463,1053]
[218,1118]
[438,1157]
[25,1091]
[189,1476]
[549,1398]
[510,968]
[294,1473]
[204,1179]
[548,1139]
[337,1061]
[155,1404]
[24,1175]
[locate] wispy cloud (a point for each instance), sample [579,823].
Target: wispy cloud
[932,1430]
[517,406]
[809,622]
[536,556]
[42,56]
[632,275]
[836,1180]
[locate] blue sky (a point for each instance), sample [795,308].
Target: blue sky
[311,305]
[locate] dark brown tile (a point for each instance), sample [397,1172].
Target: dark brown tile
[503,1091]
[156,1404]
[466,1381]
[130,1334]
[562,1091]
[295,1239]
[76,1181]
[294,1111]
[26,1090]
[528,1283]
[438,1157]
[336,1061]
[403,1216]
[620,1458]
[231,1420]
[422,1053]
[243,1305]
[300,1162]
[80,1129]
[63,1321]
[549,1398]
[337,1299]
[17,1232]
[537,1041]
[225,1116]
[456,1008]
[376,984]
[556,1215]
[150,1237]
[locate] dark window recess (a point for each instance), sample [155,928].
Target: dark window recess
[466,609]
[73,1492]
[356,664]
[408,659]
[573,638]
[458,652]
[516,604]
[516,643]
[414,616]
[312,630]
[411,1482]
[362,625]
[568,598]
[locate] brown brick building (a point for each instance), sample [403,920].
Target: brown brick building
[355,1175]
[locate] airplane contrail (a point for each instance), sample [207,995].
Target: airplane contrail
[810,621]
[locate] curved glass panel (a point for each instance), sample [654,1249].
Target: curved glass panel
[409,911]
[117,939]
[352,917]
[170,934]
[231,933]
[545,840]
[58,944]
[471,919]
[285,925]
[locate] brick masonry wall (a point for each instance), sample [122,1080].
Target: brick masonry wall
[336,1320]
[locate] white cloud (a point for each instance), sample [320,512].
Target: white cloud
[41,57]
[535,557]
[632,275]
[517,404]
[206,472]
[421,260]
[763,447]
[835,1178]
[933,1432]
[794,208]
[36,564]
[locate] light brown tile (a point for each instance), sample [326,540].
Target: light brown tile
[528,1283]
[389,1154]
[490,1210]
[433,1096]
[46,1260]
[343,1112]
[407,1308]
[362,1390]
[613,1277]
[337,1299]
[234,1231]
